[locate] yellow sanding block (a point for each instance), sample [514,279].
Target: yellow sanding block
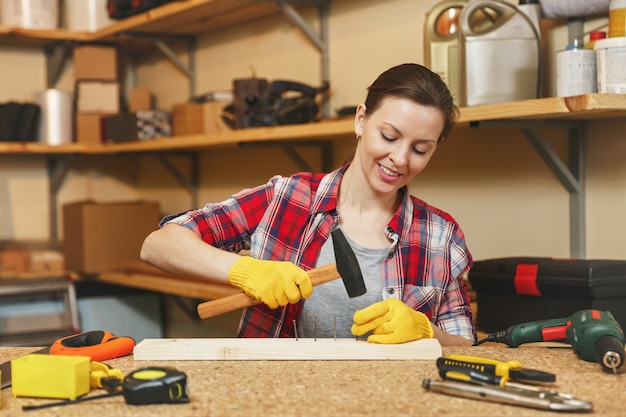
[50,376]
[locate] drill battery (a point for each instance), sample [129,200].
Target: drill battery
[516,290]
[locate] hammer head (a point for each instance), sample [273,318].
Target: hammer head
[347,265]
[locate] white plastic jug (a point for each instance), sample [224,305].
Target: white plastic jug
[441,42]
[500,52]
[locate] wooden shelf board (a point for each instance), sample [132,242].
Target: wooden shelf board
[190,17]
[325,130]
[34,148]
[587,107]
[12,36]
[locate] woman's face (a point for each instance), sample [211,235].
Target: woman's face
[397,141]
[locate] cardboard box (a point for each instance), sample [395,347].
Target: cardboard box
[97,97]
[46,261]
[140,99]
[104,236]
[88,128]
[14,260]
[196,118]
[517,290]
[93,62]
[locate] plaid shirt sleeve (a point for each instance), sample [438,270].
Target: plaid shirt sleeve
[229,224]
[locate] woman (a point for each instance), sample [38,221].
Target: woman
[413,256]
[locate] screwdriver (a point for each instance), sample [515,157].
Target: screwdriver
[490,371]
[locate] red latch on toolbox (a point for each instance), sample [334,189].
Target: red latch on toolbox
[525,279]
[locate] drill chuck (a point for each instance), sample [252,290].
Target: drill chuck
[609,352]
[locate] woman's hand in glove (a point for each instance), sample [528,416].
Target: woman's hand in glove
[391,321]
[275,283]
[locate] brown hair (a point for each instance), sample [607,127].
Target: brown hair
[417,83]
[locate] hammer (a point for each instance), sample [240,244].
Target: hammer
[346,266]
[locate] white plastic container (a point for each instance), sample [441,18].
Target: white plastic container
[500,50]
[575,72]
[611,65]
[30,14]
[85,15]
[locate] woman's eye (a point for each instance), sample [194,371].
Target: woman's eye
[387,138]
[419,151]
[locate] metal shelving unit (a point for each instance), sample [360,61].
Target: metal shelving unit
[193,17]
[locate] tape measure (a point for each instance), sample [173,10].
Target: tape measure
[152,385]
[155,386]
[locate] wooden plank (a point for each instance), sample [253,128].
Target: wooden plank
[236,349]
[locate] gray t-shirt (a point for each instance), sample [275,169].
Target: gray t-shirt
[330,302]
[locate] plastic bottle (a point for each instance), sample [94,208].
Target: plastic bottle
[575,71]
[617,18]
[532,9]
[593,37]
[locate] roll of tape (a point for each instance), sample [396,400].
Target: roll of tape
[56,117]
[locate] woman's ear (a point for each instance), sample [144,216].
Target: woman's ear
[359,120]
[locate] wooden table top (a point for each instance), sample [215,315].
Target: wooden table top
[337,388]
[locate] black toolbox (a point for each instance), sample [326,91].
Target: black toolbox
[516,290]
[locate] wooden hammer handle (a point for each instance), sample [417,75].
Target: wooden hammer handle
[223,305]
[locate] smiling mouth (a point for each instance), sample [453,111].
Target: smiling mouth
[386,171]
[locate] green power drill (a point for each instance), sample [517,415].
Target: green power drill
[594,335]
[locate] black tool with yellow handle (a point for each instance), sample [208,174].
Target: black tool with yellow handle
[490,371]
[346,267]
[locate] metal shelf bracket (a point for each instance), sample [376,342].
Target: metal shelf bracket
[57,171]
[56,56]
[570,175]
[326,153]
[189,182]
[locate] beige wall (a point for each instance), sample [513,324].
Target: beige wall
[503,195]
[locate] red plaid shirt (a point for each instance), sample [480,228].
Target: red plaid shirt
[290,218]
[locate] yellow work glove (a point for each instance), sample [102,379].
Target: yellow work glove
[275,283]
[391,321]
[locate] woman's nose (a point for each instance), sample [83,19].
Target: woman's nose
[399,156]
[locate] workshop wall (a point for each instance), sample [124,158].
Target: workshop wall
[492,182]
[505,198]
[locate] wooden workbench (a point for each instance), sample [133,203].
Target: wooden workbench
[338,388]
